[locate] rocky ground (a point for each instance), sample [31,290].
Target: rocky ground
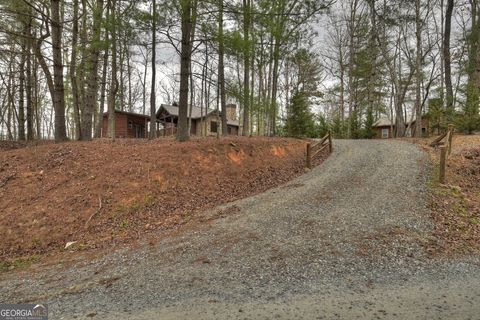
[349,239]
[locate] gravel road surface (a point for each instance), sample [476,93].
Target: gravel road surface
[347,240]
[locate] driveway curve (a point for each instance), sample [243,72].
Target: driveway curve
[346,240]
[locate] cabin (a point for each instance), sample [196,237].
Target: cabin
[127,125]
[384,128]
[204,122]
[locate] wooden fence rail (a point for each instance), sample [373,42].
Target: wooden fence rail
[444,142]
[314,149]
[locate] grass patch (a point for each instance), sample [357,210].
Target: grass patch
[125,224]
[18,264]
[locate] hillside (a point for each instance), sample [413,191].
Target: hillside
[456,204]
[108,192]
[342,233]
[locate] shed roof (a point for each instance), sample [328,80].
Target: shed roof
[105,114]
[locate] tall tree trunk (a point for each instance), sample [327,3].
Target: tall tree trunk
[21,94]
[246,68]
[73,72]
[92,73]
[59,98]
[10,94]
[447,57]
[144,89]
[276,66]
[29,79]
[121,59]
[103,89]
[221,68]
[418,70]
[153,116]
[129,75]
[202,93]
[351,58]
[262,91]
[192,84]
[185,58]
[114,81]
[36,99]
[269,90]
[81,79]
[252,86]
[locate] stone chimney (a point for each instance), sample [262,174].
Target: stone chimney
[231,111]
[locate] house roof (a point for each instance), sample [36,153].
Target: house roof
[383,122]
[196,113]
[173,111]
[105,114]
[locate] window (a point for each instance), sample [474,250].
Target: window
[385,133]
[213,126]
[130,124]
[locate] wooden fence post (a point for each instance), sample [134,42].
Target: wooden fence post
[443,156]
[450,129]
[330,146]
[309,156]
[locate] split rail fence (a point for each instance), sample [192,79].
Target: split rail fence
[444,142]
[315,149]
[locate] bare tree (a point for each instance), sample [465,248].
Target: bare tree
[59,91]
[153,116]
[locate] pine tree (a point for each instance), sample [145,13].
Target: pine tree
[300,120]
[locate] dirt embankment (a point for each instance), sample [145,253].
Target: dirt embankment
[456,204]
[102,192]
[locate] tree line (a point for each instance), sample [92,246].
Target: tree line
[403,60]
[66,62]
[295,67]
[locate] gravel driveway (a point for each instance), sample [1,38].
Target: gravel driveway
[346,240]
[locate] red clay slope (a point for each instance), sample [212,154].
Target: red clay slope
[102,191]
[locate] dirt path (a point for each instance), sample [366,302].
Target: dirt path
[347,240]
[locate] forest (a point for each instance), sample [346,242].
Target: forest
[294,67]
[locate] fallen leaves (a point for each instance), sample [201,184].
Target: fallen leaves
[456,205]
[79,190]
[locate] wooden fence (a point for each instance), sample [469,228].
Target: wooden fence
[314,149]
[444,142]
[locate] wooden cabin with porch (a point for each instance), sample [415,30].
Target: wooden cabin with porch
[385,128]
[204,122]
[127,125]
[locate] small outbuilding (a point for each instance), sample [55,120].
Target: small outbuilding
[127,125]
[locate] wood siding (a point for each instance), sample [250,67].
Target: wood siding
[126,126]
[425,127]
